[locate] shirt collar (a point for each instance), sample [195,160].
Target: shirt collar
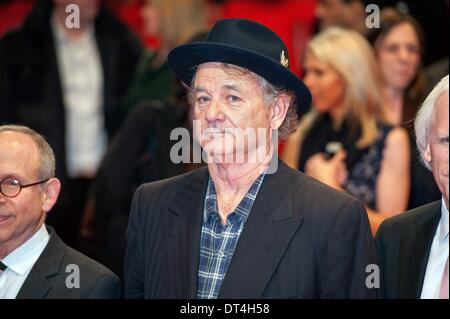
[25,256]
[443,233]
[210,201]
[242,210]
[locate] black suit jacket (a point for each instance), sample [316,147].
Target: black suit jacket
[140,153]
[302,239]
[404,244]
[47,278]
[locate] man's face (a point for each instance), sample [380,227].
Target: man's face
[225,100]
[331,13]
[437,149]
[21,216]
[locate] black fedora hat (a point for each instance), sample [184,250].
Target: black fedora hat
[247,44]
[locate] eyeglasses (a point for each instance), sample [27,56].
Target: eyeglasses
[11,187]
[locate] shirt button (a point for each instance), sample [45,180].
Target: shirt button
[221,254]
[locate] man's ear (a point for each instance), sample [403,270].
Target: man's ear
[279,111]
[51,192]
[427,154]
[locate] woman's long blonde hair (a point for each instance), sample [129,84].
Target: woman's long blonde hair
[350,55]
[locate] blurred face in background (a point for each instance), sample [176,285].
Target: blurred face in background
[399,55]
[338,13]
[326,85]
[150,18]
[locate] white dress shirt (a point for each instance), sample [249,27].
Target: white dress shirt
[437,259]
[81,75]
[20,262]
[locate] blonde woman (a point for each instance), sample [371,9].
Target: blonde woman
[344,141]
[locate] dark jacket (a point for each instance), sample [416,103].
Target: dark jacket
[47,279]
[404,244]
[139,154]
[302,239]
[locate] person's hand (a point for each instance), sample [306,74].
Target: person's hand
[332,172]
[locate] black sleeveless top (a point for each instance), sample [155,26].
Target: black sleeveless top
[363,165]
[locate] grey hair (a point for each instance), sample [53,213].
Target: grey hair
[47,165]
[423,121]
[270,95]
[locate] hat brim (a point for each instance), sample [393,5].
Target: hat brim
[184,60]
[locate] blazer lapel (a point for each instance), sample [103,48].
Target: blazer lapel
[414,251]
[37,285]
[266,235]
[184,229]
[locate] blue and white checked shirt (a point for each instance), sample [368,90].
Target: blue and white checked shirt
[218,242]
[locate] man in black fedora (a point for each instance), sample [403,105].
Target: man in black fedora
[245,226]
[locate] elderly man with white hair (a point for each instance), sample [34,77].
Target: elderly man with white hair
[413,247]
[245,227]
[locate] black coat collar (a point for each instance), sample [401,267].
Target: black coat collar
[415,246]
[48,265]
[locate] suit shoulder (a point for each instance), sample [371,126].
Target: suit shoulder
[313,191]
[403,220]
[98,281]
[319,201]
[108,25]
[14,39]
[59,262]
[168,186]
[88,266]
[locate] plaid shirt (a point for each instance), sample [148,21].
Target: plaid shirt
[218,242]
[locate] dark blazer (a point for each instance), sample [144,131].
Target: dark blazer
[30,85]
[47,278]
[302,239]
[404,244]
[140,153]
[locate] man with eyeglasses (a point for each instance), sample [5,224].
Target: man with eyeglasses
[34,262]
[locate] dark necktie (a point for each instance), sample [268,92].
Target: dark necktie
[2,267]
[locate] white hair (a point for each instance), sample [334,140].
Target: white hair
[422,124]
